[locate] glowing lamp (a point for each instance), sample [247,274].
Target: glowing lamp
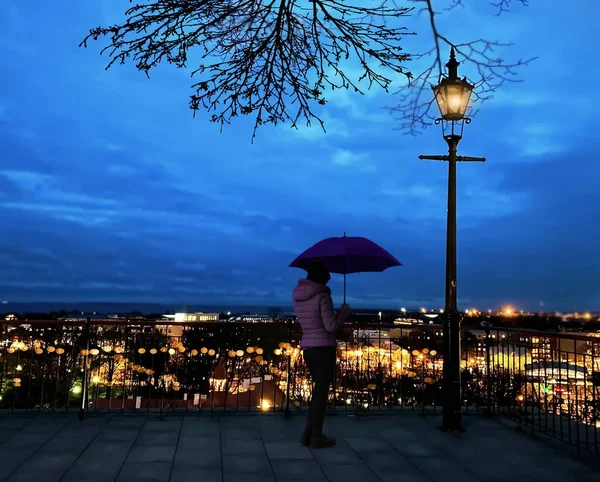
[453,94]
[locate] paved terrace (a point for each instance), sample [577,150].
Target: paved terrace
[405,448]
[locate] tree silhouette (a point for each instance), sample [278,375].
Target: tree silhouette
[275,59]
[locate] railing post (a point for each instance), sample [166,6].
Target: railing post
[287,413]
[423,386]
[488,376]
[84,385]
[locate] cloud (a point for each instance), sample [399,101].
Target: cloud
[110,190]
[415,190]
[335,126]
[523,98]
[349,159]
[191,266]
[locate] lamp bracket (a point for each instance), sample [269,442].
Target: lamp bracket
[453,128]
[458,158]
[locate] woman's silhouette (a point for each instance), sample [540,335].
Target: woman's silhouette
[314,309]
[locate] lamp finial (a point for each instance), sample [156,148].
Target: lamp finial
[452,65]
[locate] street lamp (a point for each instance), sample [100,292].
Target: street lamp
[452,95]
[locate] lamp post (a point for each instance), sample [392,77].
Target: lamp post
[452,96]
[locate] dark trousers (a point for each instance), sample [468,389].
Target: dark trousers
[321,365]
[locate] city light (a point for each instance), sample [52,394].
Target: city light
[380,356]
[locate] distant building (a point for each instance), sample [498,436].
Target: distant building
[200,316]
[251,319]
[82,316]
[371,335]
[563,371]
[176,331]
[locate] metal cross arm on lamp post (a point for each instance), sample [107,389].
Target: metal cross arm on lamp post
[452,95]
[458,158]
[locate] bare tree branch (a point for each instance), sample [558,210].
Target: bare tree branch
[414,109]
[504,5]
[272,59]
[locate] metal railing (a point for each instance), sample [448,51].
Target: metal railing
[546,382]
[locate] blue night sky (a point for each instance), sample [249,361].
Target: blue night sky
[111,191]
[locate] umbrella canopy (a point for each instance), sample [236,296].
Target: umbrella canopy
[346,255]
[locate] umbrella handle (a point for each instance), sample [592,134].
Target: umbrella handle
[344,288]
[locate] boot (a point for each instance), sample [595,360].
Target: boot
[308,430]
[321,442]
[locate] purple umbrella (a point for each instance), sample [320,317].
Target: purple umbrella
[347,255]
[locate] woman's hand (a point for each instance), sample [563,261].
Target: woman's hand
[346,307]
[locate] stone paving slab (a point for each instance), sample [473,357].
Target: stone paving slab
[405,447]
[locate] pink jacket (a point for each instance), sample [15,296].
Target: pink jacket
[314,309]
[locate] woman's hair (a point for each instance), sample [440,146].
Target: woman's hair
[318,272]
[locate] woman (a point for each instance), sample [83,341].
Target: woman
[314,309]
